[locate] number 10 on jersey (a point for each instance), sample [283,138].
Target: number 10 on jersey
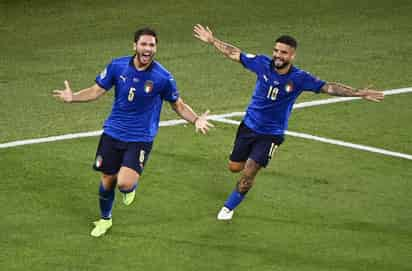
[272,93]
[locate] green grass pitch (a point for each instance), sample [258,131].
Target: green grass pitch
[316,207]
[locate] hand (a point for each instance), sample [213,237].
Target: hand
[202,124]
[371,94]
[65,95]
[203,34]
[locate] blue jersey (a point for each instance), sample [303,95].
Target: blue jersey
[274,94]
[138,98]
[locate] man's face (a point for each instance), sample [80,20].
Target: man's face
[145,49]
[283,55]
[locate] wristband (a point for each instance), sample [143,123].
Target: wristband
[196,118]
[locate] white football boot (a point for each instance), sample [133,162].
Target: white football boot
[225,214]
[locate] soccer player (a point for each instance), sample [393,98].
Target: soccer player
[278,85]
[141,84]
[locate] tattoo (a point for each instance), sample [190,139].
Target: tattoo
[338,89]
[244,184]
[251,168]
[248,176]
[227,49]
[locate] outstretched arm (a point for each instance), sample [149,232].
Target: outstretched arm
[206,35]
[187,113]
[84,95]
[337,89]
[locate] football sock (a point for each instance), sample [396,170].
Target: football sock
[106,199]
[234,199]
[134,187]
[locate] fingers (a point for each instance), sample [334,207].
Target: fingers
[66,84]
[372,95]
[202,129]
[197,32]
[64,95]
[374,98]
[198,29]
[202,33]
[57,93]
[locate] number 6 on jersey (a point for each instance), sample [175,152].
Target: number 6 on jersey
[131,94]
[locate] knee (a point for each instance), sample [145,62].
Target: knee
[235,166]
[109,181]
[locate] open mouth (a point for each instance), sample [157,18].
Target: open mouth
[278,62]
[145,57]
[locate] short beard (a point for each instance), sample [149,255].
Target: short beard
[284,65]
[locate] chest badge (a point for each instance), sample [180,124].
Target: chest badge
[289,86]
[148,86]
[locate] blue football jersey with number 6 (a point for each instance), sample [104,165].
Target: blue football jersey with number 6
[274,95]
[138,98]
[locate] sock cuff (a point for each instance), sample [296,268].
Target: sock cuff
[234,200]
[134,187]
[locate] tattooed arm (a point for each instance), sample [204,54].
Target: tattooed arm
[206,35]
[338,89]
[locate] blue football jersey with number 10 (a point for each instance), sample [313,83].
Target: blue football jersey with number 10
[138,98]
[274,95]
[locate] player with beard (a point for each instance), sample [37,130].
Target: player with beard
[141,84]
[278,85]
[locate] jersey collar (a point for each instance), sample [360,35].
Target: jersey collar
[131,63]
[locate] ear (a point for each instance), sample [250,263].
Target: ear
[134,46]
[293,56]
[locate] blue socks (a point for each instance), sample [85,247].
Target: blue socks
[106,199]
[234,199]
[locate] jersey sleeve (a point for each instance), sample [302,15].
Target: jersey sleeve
[252,62]
[312,83]
[106,78]
[170,92]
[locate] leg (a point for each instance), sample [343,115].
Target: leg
[127,183]
[260,150]
[248,176]
[134,160]
[241,148]
[235,167]
[107,161]
[244,184]
[106,195]
[127,179]
[106,199]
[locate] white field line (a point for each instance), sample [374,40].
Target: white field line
[222,118]
[333,141]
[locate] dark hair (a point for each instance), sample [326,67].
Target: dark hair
[288,40]
[144,31]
